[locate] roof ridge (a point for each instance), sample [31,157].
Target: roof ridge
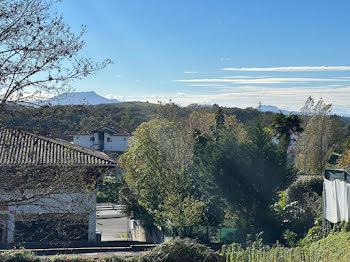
[80,149]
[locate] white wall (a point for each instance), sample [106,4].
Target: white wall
[77,203]
[74,203]
[117,143]
[83,140]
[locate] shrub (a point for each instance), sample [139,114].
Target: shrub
[64,258]
[314,234]
[18,256]
[179,250]
[303,205]
[113,259]
[290,238]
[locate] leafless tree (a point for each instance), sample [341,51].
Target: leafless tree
[39,54]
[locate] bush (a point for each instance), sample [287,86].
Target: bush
[18,256]
[64,258]
[306,185]
[290,238]
[314,234]
[303,205]
[179,250]
[114,259]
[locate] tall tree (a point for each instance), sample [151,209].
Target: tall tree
[248,174]
[284,126]
[39,55]
[157,173]
[313,147]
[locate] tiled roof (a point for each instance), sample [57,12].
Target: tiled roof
[18,148]
[113,131]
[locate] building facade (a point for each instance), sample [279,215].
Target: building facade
[104,139]
[45,180]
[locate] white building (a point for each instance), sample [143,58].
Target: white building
[104,139]
[41,177]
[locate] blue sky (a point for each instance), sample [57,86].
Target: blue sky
[234,53]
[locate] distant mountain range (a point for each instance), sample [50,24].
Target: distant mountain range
[339,110]
[274,109]
[79,98]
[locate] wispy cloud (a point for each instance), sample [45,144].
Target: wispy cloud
[289,68]
[112,96]
[190,72]
[244,76]
[207,85]
[224,59]
[261,80]
[289,98]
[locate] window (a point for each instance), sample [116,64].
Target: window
[124,138]
[92,139]
[109,139]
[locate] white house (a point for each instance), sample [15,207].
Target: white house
[41,178]
[104,139]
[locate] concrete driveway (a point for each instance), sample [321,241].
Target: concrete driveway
[111,222]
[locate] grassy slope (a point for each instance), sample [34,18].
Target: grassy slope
[335,247]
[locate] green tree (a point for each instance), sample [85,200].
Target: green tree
[284,126]
[219,120]
[158,174]
[248,174]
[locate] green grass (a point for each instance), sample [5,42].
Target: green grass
[335,247]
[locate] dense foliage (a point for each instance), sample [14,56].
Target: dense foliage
[248,174]
[67,120]
[184,172]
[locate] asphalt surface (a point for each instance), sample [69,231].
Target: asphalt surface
[111,222]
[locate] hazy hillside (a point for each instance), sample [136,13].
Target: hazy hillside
[69,119]
[270,108]
[79,98]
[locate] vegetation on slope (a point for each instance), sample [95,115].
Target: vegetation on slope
[335,247]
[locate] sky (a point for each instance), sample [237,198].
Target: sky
[230,52]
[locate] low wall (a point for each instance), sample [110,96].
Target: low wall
[139,233]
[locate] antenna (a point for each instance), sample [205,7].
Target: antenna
[259,107]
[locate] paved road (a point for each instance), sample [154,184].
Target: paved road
[111,222]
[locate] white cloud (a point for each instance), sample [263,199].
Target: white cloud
[190,72]
[289,98]
[243,77]
[224,59]
[289,68]
[261,80]
[111,96]
[208,85]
